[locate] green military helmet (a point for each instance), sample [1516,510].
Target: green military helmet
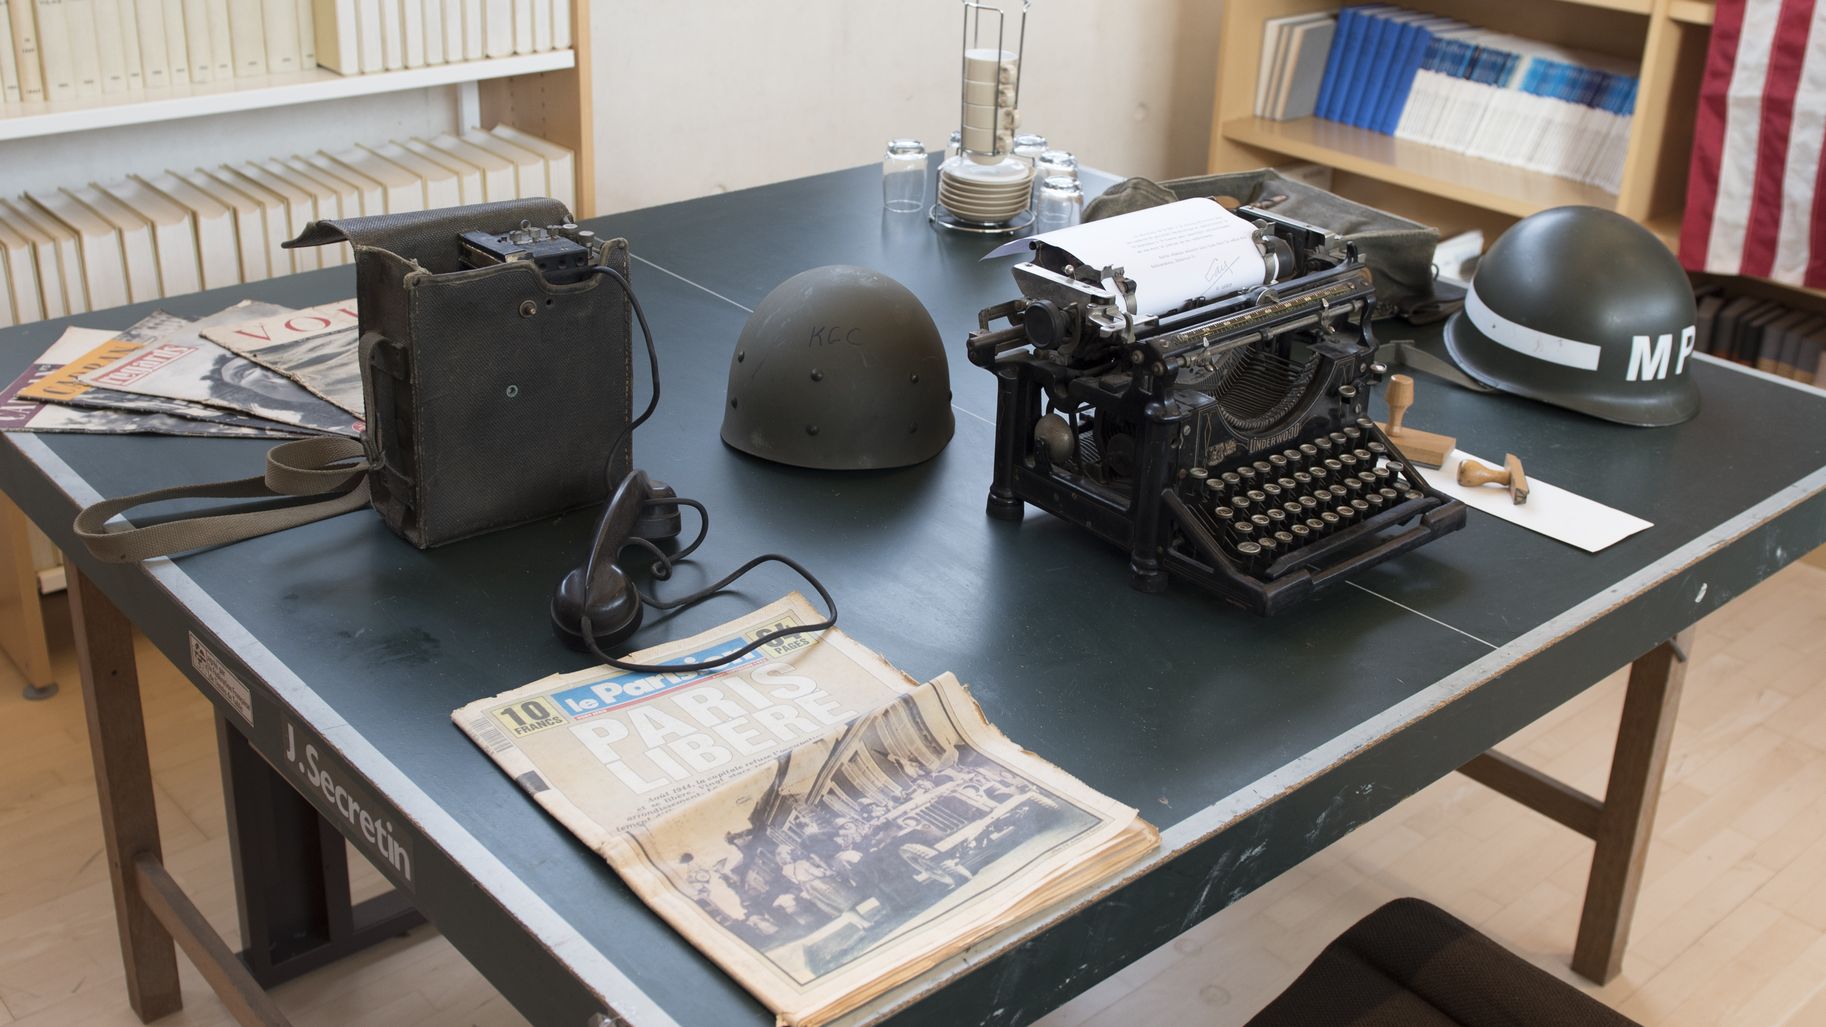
[1583,308]
[840,368]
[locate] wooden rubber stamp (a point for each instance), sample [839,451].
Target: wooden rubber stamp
[1422,447]
[1510,476]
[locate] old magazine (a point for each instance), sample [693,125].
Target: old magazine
[65,385]
[181,364]
[21,413]
[815,822]
[315,348]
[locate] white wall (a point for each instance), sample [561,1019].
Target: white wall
[701,96]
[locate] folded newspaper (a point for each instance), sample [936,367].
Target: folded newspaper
[815,822]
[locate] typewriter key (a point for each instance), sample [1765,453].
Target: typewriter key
[1257,496]
[1264,471]
[1334,466]
[1276,516]
[1215,490]
[1198,474]
[1249,552]
[1340,440]
[1346,515]
[1365,423]
[1383,476]
[1295,510]
[1308,504]
[1232,481]
[1225,516]
[1377,448]
[1240,504]
[1261,521]
[1288,485]
[1364,455]
[1272,493]
[1360,506]
[1316,525]
[1331,521]
[1413,494]
[1278,463]
[1353,433]
[1301,534]
[1339,493]
[1246,477]
[1302,481]
[1354,485]
[1389,494]
[1270,549]
[1349,462]
[1323,445]
[1242,531]
[1284,539]
[1294,459]
[1321,478]
[1376,503]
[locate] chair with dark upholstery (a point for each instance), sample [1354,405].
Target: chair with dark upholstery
[1412,964]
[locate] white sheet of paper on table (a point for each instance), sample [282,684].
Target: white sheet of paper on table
[1550,510]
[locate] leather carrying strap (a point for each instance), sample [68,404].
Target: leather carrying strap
[333,468]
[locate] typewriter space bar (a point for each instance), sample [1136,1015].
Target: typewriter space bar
[1409,539]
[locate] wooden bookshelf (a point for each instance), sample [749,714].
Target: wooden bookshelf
[27,120]
[1666,38]
[547,94]
[1503,188]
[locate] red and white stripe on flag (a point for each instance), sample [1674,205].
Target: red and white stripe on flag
[1756,198]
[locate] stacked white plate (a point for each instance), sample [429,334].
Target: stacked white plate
[984,194]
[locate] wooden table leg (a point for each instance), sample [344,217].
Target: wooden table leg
[123,783]
[1628,815]
[21,616]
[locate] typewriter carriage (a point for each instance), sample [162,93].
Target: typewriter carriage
[1117,421]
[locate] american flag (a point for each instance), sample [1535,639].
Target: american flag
[1756,195]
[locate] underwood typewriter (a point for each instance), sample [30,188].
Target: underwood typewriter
[1226,442]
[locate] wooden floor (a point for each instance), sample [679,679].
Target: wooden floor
[1731,928]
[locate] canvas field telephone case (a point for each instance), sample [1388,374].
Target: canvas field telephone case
[491,394]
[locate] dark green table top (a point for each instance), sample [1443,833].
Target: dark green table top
[1251,743]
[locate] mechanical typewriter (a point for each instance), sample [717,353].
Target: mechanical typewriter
[1227,442]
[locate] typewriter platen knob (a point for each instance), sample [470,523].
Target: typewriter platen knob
[1047,326]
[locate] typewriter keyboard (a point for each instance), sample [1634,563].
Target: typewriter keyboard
[1262,511]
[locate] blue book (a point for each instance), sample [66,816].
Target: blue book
[1400,76]
[1370,59]
[1396,26]
[1334,63]
[1351,59]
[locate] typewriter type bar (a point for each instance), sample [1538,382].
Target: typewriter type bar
[1226,443]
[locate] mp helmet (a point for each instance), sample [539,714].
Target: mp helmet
[839,368]
[1583,308]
